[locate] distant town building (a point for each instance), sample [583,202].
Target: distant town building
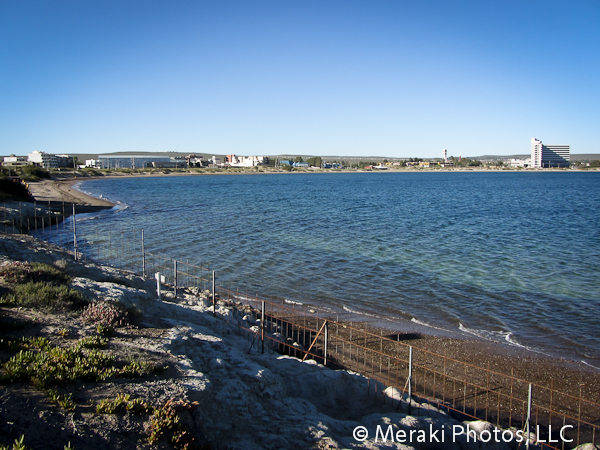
[549,155]
[195,161]
[65,161]
[93,163]
[43,159]
[514,162]
[130,161]
[245,161]
[171,164]
[445,155]
[13,160]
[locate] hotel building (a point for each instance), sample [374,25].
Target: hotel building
[549,155]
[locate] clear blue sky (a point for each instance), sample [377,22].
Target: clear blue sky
[358,78]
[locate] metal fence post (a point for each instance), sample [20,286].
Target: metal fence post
[325,347]
[213,295]
[157,276]
[74,233]
[143,257]
[262,324]
[409,381]
[528,415]
[175,278]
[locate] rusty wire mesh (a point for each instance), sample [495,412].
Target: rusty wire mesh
[465,390]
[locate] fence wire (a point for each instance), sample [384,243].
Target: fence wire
[435,381]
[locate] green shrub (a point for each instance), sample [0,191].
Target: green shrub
[24,272]
[45,296]
[18,445]
[93,342]
[11,190]
[51,365]
[33,173]
[66,400]
[44,364]
[137,369]
[105,314]
[123,401]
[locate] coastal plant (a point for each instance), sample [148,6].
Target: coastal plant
[44,364]
[106,330]
[167,419]
[106,313]
[18,445]
[9,190]
[19,272]
[33,173]
[137,369]
[65,400]
[92,342]
[46,296]
[164,421]
[124,401]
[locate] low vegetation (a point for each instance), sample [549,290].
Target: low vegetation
[40,286]
[44,364]
[45,296]
[19,272]
[165,421]
[12,190]
[55,363]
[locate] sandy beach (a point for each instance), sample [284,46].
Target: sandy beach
[59,192]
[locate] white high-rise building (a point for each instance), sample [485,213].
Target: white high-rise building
[549,155]
[445,153]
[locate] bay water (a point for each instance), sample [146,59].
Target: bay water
[512,257]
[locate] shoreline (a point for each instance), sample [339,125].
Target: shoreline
[57,193]
[562,373]
[182,336]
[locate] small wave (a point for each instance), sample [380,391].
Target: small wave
[591,365]
[487,334]
[350,310]
[496,336]
[244,298]
[425,324]
[81,218]
[291,302]
[120,207]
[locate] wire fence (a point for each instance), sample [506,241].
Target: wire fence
[423,380]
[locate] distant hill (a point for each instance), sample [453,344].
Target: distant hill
[584,157]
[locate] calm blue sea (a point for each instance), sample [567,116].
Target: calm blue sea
[512,257]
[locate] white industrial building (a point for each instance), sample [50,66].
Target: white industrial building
[245,161]
[130,161]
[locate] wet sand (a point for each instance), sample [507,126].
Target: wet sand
[59,193]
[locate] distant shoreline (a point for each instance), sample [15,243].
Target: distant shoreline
[59,190]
